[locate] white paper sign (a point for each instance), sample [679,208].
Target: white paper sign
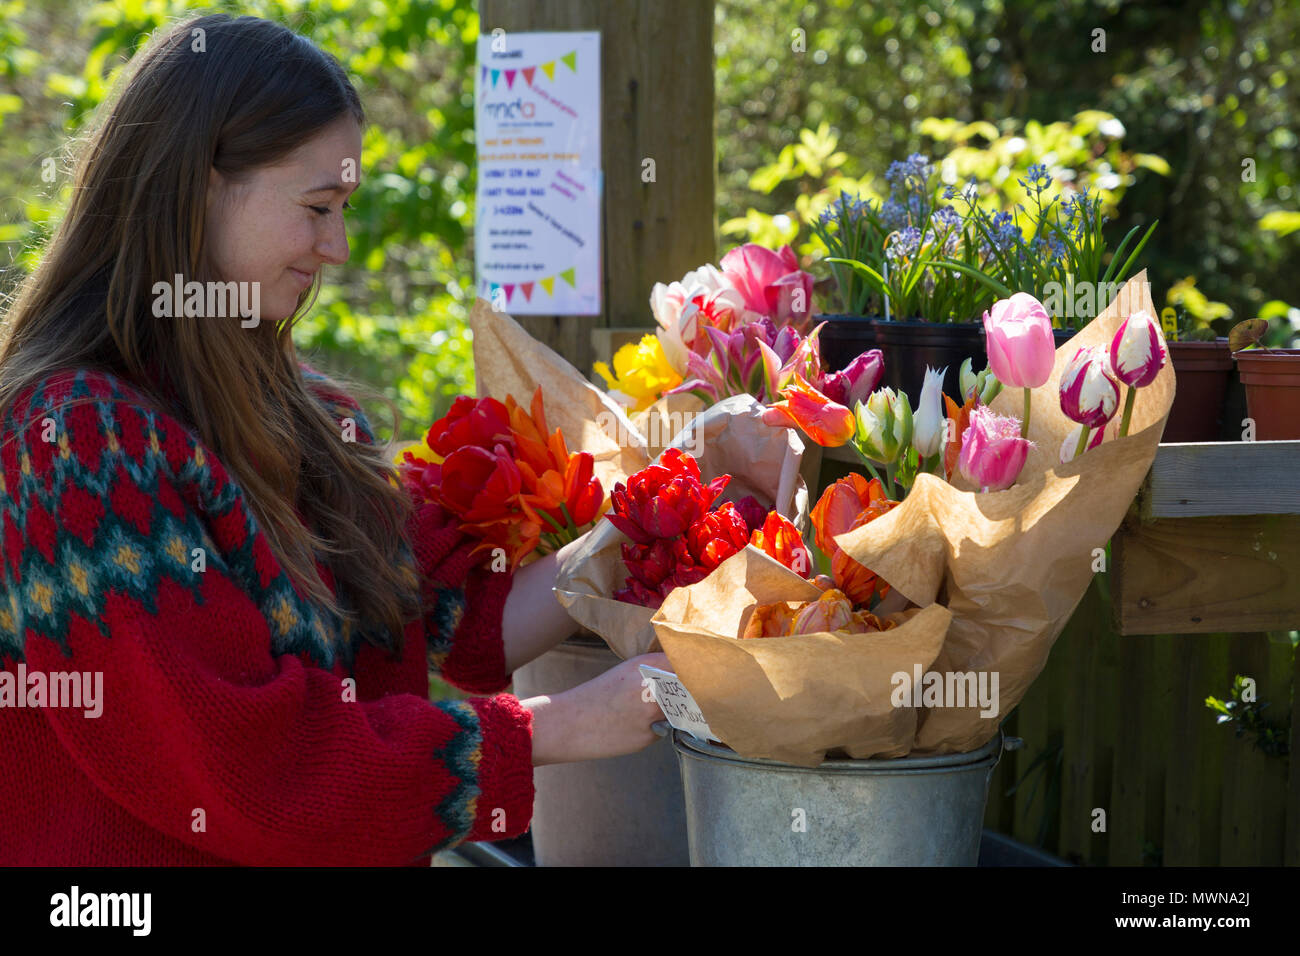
[677,703]
[537,235]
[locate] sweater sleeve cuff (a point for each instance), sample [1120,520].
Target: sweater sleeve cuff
[476,661]
[504,808]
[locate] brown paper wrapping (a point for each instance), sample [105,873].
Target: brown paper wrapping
[763,462]
[509,361]
[796,698]
[1012,565]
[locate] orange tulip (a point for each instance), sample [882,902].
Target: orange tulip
[832,612]
[845,506]
[827,423]
[771,620]
[780,539]
[961,419]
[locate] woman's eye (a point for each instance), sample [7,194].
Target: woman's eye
[325,210]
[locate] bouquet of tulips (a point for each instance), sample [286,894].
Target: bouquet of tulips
[512,483]
[975,538]
[737,330]
[677,535]
[971,442]
[676,520]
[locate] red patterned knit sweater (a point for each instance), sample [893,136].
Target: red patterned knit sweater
[227,733]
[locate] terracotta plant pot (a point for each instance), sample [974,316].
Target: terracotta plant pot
[1272,380]
[909,347]
[1202,370]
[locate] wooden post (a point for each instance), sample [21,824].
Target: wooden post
[657,103]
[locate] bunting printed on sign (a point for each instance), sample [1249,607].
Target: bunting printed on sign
[488,289]
[528,72]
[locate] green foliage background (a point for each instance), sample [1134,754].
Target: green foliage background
[1204,85]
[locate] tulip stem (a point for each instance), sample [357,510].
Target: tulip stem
[1128,411]
[893,485]
[1083,441]
[559,528]
[884,483]
[573,528]
[1024,423]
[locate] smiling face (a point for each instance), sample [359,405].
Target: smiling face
[283,222]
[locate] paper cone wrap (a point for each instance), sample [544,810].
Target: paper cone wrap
[509,361]
[793,699]
[1011,566]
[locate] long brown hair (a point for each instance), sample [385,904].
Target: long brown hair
[254,93]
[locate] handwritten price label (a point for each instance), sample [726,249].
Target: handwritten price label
[677,703]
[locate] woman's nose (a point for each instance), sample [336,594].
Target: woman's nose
[333,244]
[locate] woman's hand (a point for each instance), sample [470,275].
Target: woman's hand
[606,717]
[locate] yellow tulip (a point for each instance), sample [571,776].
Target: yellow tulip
[641,373]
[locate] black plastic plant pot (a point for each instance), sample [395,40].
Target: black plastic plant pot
[909,348]
[844,338]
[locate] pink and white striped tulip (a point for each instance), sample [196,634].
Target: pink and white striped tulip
[1089,392]
[1138,352]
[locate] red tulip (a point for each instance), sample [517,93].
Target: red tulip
[662,501]
[717,535]
[483,422]
[753,512]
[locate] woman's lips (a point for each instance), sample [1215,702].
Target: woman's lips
[304,279]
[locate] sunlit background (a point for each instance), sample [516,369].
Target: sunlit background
[1188,116]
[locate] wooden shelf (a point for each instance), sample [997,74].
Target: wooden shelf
[1212,543]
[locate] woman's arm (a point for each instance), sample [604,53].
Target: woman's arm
[534,620]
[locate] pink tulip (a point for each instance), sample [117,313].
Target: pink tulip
[857,380]
[992,451]
[1137,352]
[1089,392]
[771,283]
[1019,342]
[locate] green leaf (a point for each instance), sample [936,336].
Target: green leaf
[1283,222]
[1157,164]
[1002,291]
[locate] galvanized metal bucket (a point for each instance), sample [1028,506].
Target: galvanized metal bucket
[909,811]
[624,811]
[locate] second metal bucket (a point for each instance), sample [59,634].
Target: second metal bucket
[623,811]
[908,811]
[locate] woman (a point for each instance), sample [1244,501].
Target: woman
[218,608]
